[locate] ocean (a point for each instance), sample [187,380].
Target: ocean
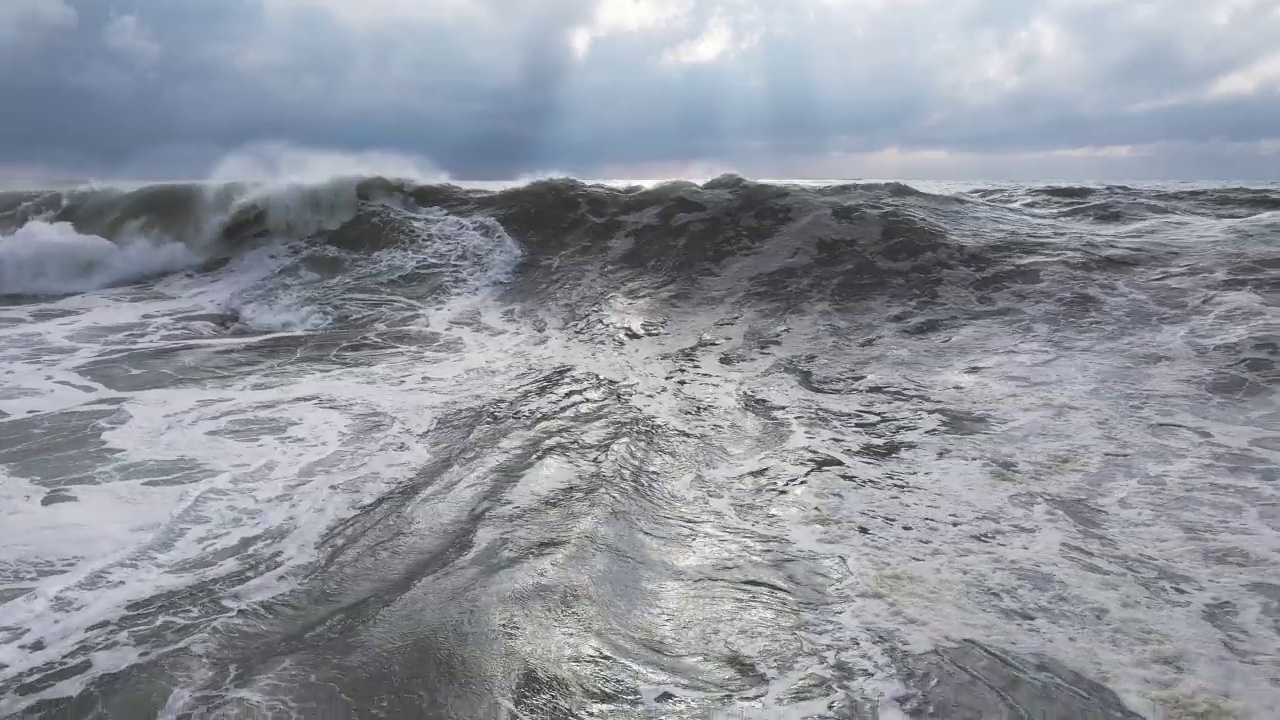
[371,448]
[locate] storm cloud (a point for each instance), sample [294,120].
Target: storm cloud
[641,88]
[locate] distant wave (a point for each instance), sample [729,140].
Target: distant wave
[68,241]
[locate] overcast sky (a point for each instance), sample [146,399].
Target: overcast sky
[490,89]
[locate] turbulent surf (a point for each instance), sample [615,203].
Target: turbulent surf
[372,448]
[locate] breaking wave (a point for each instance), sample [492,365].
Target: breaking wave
[44,258]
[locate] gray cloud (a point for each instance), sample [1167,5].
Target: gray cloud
[497,88]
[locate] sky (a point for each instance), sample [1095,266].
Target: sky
[500,89]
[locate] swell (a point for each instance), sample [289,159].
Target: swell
[1118,204]
[201,212]
[833,242]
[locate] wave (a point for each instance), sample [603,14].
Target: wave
[91,238]
[44,258]
[1118,204]
[851,239]
[538,373]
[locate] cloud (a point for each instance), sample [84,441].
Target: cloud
[717,40]
[127,37]
[374,14]
[1262,76]
[19,19]
[502,88]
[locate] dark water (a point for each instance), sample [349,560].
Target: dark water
[376,449]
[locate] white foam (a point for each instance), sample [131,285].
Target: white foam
[281,316]
[44,258]
[471,256]
[124,541]
[128,541]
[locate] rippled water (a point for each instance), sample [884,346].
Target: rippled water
[371,449]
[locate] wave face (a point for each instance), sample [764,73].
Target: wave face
[371,448]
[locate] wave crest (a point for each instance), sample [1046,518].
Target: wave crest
[792,235]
